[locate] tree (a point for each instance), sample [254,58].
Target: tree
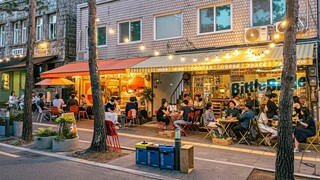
[27,122]
[285,159]
[10,6]
[99,134]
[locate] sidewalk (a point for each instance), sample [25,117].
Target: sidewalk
[210,160]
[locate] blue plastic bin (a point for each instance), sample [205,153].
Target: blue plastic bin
[141,152]
[167,157]
[153,156]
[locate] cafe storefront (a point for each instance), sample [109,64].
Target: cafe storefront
[218,74]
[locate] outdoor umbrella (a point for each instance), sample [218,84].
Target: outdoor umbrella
[55,82]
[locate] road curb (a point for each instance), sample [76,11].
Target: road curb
[78,160]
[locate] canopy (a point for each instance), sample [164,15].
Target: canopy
[82,68]
[20,63]
[55,82]
[255,57]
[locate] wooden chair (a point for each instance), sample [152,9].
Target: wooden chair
[311,140]
[54,111]
[75,110]
[185,128]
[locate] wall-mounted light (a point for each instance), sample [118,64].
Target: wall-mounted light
[43,45]
[170,56]
[142,47]
[111,31]
[156,53]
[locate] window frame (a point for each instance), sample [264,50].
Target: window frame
[2,35]
[271,14]
[55,26]
[24,31]
[155,25]
[129,21]
[214,19]
[16,33]
[87,37]
[41,28]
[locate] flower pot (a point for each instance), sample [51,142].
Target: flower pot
[66,145]
[3,130]
[17,128]
[43,142]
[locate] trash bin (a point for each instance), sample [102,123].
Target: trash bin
[153,156]
[141,152]
[167,157]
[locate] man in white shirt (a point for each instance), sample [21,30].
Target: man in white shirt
[58,102]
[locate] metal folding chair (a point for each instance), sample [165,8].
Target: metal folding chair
[209,130]
[185,128]
[244,135]
[161,124]
[264,135]
[311,140]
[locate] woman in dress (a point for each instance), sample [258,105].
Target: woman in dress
[306,130]
[263,125]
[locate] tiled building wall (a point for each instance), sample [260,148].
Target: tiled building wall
[111,12]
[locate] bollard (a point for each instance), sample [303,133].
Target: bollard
[7,121]
[177,140]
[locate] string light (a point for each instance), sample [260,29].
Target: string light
[170,56]
[267,51]
[217,58]
[227,56]
[206,59]
[15,56]
[276,36]
[236,52]
[284,23]
[272,45]
[156,53]
[182,58]
[195,60]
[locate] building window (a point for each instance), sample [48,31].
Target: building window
[15,33]
[266,12]
[130,31]
[168,26]
[52,26]
[39,29]
[101,36]
[2,35]
[24,31]
[215,19]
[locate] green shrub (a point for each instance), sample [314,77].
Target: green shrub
[45,132]
[64,128]
[19,116]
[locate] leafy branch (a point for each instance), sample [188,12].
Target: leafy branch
[10,6]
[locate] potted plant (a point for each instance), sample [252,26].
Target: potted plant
[67,139]
[43,138]
[147,96]
[18,124]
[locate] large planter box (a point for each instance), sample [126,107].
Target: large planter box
[43,142]
[17,128]
[66,145]
[3,130]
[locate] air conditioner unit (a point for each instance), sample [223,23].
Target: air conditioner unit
[256,34]
[83,55]
[280,27]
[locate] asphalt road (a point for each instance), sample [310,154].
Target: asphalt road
[18,165]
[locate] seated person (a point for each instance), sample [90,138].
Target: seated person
[131,105]
[263,125]
[44,108]
[72,102]
[198,102]
[209,114]
[306,130]
[83,105]
[57,102]
[272,112]
[110,111]
[244,121]
[162,112]
[232,111]
[185,110]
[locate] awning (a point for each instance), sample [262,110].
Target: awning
[255,57]
[18,63]
[82,68]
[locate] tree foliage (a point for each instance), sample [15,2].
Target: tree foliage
[11,6]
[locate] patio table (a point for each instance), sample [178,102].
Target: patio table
[173,117]
[225,124]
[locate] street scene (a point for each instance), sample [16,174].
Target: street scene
[126,89]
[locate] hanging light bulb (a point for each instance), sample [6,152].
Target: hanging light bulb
[170,56]
[217,58]
[227,56]
[183,58]
[267,51]
[206,59]
[272,45]
[195,60]
[236,52]
[284,23]
[276,36]
[262,55]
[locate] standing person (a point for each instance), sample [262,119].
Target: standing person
[272,112]
[162,114]
[72,102]
[306,130]
[110,111]
[263,125]
[244,121]
[185,110]
[83,103]
[236,99]
[42,105]
[58,102]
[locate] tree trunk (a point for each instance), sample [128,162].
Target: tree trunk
[27,121]
[99,135]
[285,159]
